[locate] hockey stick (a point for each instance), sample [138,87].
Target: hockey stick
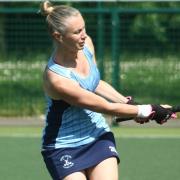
[121,119]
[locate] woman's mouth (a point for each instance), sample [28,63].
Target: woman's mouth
[81,43]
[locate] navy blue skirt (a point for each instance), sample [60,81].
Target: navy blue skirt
[65,161]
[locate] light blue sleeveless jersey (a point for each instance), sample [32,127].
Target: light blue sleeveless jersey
[71,126]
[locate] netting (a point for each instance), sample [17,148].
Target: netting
[130,44]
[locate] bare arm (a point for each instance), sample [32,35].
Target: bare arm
[59,87]
[90,45]
[144,111]
[108,92]
[104,89]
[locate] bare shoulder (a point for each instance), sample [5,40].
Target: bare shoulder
[55,85]
[90,44]
[61,88]
[49,81]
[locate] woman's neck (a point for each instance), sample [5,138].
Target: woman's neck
[65,58]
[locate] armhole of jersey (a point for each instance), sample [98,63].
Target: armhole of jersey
[58,69]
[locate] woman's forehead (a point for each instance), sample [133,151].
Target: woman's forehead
[75,22]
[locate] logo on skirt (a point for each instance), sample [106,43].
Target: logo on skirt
[66,159]
[112,149]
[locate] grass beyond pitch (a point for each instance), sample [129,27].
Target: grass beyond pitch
[147,79]
[146,153]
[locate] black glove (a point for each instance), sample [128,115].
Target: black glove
[131,101]
[160,114]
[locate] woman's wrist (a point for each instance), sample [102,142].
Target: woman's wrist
[144,111]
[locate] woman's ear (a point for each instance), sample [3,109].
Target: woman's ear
[57,36]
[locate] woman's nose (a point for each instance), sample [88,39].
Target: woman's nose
[84,35]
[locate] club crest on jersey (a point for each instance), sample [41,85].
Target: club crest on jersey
[66,159]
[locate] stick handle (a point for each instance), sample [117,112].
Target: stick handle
[175,109]
[121,119]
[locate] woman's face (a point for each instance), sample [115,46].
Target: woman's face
[75,36]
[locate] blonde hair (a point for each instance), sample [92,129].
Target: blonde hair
[56,16]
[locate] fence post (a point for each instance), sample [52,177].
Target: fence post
[100,40]
[2,36]
[115,49]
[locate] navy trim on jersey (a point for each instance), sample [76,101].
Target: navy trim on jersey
[54,120]
[68,125]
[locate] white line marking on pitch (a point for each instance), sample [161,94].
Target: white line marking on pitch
[20,135]
[154,136]
[148,136]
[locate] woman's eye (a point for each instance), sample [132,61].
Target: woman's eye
[77,32]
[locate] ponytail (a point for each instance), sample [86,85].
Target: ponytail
[46,8]
[56,16]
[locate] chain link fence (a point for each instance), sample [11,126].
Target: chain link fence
[130,44]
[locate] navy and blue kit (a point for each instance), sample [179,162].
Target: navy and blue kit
[75,138]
